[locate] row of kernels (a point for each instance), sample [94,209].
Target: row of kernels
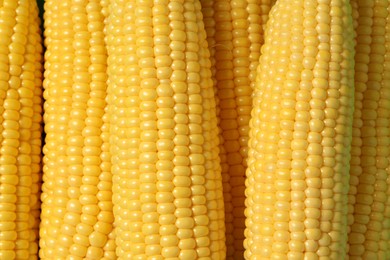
[287,185]
[8,170]
[105,184]
[186,49]
[103,226]
[375,243]
[385,93]
[210,14]
[71,242]
[162,28]
[224,91]
[43,234]
[123,89]
[26,94]
[80,220]
[363,20]
[281,147]
[325,172]
[213,182]
[148,127]
[257,18]
[110,117]
[343,132]
[36,133]
[202,233]
[58,95]
[243,100]
[208,244]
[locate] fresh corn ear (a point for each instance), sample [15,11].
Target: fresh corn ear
[167,188]
[369,211]
[300,138]
[76,200]
[235,35]
[20,128]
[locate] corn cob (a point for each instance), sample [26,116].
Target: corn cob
[76,200]
[167,189]
[297,177]
[368,197]
[20,88]
[235,35]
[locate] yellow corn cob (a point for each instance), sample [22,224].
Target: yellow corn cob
[368,197]
[76,200]
[167,188]
[297,177]
[20,89]
[235,35]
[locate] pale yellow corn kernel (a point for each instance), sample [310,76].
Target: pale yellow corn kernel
[368,218]
[298,152]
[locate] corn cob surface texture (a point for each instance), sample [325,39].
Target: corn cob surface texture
[235,35]
[77,212]
[300,138]
[167,187]
[20,139]
[195,129]
[369,211]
